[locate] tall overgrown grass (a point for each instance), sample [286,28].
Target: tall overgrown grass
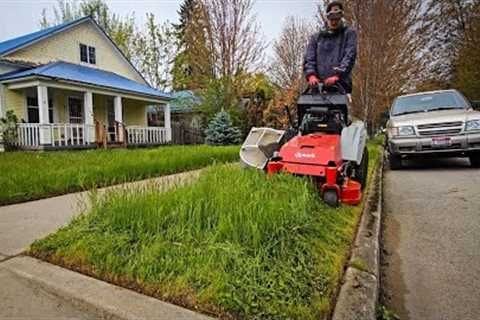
[33,175]
[235,243]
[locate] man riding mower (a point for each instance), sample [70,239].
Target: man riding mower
[325,145]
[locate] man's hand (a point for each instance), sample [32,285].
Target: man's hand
[313,80]
[332,80]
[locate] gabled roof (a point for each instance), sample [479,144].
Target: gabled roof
[11,45]
[81,74]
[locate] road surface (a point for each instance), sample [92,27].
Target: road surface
[432,241]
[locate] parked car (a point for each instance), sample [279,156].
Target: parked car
[441,123]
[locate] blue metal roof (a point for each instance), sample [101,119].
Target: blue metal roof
[15,43]
[73,72]
[184,102]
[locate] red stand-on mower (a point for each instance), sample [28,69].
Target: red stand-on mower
[322,144]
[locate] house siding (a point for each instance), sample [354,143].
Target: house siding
[135,113]
[15,100]
[100,108]
[65,46]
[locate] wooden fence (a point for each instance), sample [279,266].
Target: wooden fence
[184,134]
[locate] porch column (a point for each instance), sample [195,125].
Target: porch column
[2,103]
[45,137]
[168,123]
[117,107]
[89,121]
[2,115]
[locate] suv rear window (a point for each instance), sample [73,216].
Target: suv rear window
[428,102]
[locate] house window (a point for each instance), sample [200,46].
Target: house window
[33,115]
[155,116]
[88,54]
[91,55]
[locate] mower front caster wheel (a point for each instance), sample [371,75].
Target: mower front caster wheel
[330,197]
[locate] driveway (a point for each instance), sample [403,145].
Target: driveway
[432,240]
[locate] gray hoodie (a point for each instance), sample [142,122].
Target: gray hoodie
[328,50]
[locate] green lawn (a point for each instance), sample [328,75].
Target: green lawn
[235,244]
[33,175]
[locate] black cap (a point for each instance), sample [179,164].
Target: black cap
[334,4]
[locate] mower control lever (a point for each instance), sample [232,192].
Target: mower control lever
[290,120]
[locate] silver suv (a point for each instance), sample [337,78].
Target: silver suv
[433,123]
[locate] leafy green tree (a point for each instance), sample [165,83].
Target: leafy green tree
[221,131]
[154,53]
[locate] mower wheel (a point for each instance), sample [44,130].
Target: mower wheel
[330,197]
[475,160]
[361,173]
[395,161]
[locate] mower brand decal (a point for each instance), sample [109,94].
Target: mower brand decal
[299,155]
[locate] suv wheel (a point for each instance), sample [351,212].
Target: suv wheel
[475,160]
[395,161]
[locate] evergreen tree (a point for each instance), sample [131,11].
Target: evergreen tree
[185,13]
[220,131]
[182,68]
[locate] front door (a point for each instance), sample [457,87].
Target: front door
[111,127]
[75,115]
[75,107]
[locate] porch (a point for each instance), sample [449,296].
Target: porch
[68,106]
[64,118]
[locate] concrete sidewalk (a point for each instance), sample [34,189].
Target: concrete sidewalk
[32,289]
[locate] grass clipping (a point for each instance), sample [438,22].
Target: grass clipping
[235,244]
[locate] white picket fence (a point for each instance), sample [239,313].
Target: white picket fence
[147,135]
[54,134]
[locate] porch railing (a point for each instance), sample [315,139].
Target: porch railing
[147,135]
[34,135]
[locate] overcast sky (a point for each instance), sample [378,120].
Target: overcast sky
[18,17]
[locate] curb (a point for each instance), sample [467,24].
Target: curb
[104,299]
[358,295]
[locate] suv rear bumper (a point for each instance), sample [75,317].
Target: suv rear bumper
[464,143]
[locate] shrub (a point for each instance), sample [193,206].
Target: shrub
[8,130]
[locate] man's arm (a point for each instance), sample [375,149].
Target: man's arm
[348,61]
[310,65]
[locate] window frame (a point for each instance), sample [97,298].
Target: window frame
[90,54]
[35,106]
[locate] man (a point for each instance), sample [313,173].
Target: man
[331,53]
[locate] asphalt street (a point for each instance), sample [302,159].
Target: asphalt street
[431,240]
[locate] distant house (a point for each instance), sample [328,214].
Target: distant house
[184,108]
[72,87]
[186,118]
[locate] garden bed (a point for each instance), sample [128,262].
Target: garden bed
[34,175]
[234,244]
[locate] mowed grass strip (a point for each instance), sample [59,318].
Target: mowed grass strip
[235,244]
[34,175]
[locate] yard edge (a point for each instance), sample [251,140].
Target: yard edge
[358,296]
